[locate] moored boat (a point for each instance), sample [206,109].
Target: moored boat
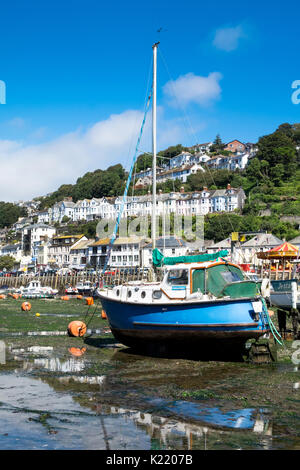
[35,290]
[85,288]
[201,302]
[195,305]
[285,294]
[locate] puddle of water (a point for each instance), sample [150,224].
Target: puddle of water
[71,409]
[34,416]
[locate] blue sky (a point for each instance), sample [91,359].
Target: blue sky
[76,75]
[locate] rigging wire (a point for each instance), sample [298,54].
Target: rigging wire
[187,123]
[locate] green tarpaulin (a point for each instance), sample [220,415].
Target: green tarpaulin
[159,259]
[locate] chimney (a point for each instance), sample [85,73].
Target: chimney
[182,189]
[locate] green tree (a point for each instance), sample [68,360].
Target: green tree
[9,213]
[7,262]
[217,145]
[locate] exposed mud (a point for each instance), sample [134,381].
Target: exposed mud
[59,392]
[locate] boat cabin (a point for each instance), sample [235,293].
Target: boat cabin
[191,281]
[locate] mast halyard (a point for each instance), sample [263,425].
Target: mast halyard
[153,221]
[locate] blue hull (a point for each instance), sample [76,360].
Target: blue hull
[226,322]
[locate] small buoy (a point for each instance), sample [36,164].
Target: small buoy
[103,315]
[15,296]
[79,297]
[26,306]
[89,300]
[77,352]
[271,312]
[2,296]
[64,297]
[37,314]
[76,328]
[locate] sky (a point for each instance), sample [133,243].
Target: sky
[74,76]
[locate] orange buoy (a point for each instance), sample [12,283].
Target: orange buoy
[76,328]
[89,300]
[26,306]
[15,296]
[103,315]
[64,297]
[77,352]
[271,313]
[79,297]
[2,296]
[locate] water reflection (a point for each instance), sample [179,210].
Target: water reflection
[33,416]
[192,435]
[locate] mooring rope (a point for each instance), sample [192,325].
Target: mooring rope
[272,326]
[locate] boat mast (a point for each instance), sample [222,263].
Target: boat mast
[153,221]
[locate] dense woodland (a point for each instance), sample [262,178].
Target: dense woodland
[271,182]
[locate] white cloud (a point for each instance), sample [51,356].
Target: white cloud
[227,39]
[33,170]
[191,88]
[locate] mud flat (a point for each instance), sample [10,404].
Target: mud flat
[52,385]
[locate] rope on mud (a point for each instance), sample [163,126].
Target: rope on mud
[273,329]
[97,303]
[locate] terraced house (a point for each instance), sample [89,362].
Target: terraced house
[125,252]
[59,250]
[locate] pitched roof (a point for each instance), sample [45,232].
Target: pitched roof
[226,243]
[263,239]
[118,241]
[58,237]
[82,244]
[170,242]
[295,241]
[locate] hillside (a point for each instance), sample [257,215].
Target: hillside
[271,182]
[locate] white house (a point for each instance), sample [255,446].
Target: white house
[43,217]
[180,173]
[169,247]
[125,252]
[34,234]
[260,242]
[60,247]
[62,209]
[13,249]
[79,253]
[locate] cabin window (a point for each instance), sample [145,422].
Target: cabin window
[178,277]
[156,294]
[221,275]
[198,280]
[231,276]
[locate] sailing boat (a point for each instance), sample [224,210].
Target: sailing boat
[202,301]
